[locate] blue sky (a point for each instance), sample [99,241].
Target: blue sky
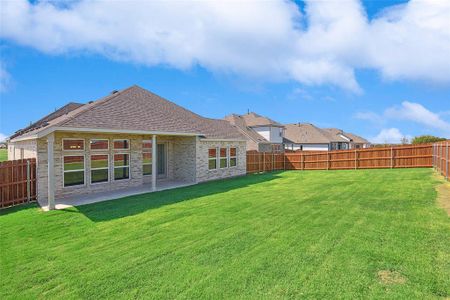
[301,67]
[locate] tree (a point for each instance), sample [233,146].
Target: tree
[424,139]
[404,140]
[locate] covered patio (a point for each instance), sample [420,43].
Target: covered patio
[163,184]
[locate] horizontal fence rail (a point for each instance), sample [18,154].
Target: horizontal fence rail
[408,156]
[441,158]
[17,182]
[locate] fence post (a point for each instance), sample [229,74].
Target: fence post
[302,161]
[392,157]
[273,161]
[328,160]
[433,156]
[446,162]
[264,161]
[284,161]
[356,159]
[28,180]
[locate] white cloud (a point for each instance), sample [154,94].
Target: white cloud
[3,137]
[263,39]
[389,136]
[4,78]
[408,111]
[417,113]
[369,116]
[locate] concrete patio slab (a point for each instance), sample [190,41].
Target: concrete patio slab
[106,196]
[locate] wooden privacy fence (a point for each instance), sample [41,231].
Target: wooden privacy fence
[441,158]
[17,182]
[409,156]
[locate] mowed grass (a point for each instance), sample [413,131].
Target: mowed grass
[3,154]
[298,234]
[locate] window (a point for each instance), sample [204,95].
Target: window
[233,158]
[121,166]
[223,158]
[147,157]
[121,144]
[99,168]
[73,144]
[73,170]
[99,144]
[212,158]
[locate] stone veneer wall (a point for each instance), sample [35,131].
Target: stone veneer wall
[204,174]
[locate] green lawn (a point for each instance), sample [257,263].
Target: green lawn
[298,234]
[3,154]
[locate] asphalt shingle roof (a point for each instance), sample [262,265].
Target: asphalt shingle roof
[136,109]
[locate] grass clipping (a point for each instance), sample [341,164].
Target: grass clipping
[391,277]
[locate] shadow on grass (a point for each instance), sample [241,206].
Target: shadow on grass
[21,207]
[132,205]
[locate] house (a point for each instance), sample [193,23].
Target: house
[307,137]
[128,139]
[262,134]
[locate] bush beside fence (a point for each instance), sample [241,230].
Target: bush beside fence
[409,156]
[17,182]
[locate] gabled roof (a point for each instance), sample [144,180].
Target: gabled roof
[253,120]
[305,133]
[249,133]
[136,109]
[309,134]
[352,137]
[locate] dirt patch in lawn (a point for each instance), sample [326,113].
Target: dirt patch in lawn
[443,197]
[391,277]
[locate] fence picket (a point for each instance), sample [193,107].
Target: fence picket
[17,182]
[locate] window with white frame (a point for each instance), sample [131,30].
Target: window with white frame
[223,158]
[121,166]
[99,144]
[99,168]
[73,144]
[121,144]
[212,158]
[233,157]
[73,170]
[147,157]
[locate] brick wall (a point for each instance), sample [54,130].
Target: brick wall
[204,174]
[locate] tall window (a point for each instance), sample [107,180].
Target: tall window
[212,158]
[223,158]
[147,157]
[121,166]
[99,168]
[73,173]
[233,157]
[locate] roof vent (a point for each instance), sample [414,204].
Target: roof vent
[114,92]
[90,102]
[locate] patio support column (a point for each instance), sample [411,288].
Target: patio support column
[154,161]
[51,171]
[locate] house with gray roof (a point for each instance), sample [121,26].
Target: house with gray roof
[308,137]
[130,139]
[262,133]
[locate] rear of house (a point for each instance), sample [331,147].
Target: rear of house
[262,133]
[131,138]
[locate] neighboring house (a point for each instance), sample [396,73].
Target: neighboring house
[129,138]
[263,134]
[307,137]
